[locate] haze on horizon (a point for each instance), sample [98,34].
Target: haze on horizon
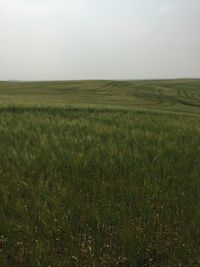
[99,39]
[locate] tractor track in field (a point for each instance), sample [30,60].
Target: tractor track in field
[164,99]
[185,93]
[183,97]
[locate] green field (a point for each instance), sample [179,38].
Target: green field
[100,173]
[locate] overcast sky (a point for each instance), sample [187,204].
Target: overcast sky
[99,39]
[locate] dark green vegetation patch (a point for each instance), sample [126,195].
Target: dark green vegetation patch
[100,173]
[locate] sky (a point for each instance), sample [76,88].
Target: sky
[99,39]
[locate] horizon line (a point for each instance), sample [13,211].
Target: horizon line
[77,80]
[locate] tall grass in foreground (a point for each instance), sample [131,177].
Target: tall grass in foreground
[89,187]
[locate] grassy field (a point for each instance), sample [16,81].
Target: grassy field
[100,173]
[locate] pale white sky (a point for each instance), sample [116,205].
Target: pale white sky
[99,39]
